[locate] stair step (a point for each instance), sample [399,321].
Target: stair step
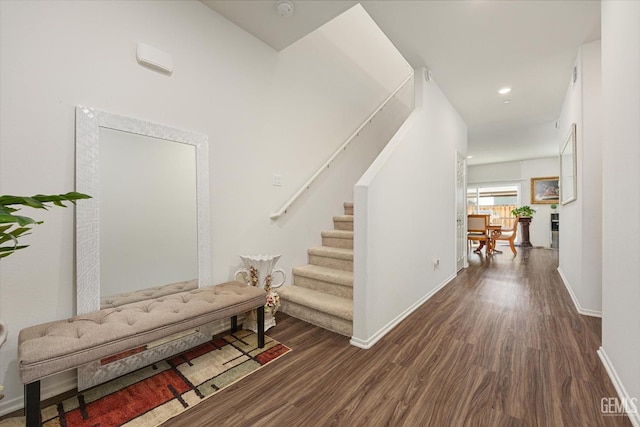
[348,208]
[322,291]
[320,309]
[330,304]
[343,222]
[338,239]
[322,320]
[323,279]
[337,258]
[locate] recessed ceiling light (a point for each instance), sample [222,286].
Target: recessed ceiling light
[507,101]
[504,90]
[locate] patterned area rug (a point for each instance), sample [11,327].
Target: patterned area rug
[152,395]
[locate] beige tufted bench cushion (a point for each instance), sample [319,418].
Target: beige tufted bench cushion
[55,347]
[150,293]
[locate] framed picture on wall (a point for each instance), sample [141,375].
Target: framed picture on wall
[545,190]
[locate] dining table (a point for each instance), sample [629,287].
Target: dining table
[493,231]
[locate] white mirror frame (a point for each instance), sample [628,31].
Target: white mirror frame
[88,124]
[569,168]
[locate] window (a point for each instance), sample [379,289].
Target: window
[495,201]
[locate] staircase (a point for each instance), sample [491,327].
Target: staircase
[322,291]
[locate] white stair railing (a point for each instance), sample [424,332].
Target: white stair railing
[307,185]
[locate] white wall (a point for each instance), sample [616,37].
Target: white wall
[264,112]
[521,172]
[581,220]
[405,217]
[621,193]
[531,141]
[319,96]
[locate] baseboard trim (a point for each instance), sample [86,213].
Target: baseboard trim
[367,344]
[54,389]
[576,303]
[8,406]
[634,417]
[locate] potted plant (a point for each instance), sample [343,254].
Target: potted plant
[523,212]
[14,226]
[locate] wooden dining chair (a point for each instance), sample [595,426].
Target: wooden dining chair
[477,229]
[509,236]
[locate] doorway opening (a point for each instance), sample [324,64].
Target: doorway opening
[497,201]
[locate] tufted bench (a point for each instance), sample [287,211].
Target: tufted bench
[55,347]
[149,293]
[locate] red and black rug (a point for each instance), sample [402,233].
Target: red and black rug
[152,395]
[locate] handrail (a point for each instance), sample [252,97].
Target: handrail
[283,210]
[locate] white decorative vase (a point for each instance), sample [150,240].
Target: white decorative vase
[258,271]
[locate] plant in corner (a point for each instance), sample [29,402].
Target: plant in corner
[523,212]
[13,226]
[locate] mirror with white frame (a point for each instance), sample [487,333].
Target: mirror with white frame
[147,224]
[568,168]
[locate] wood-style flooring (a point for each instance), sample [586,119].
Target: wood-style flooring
[501,345]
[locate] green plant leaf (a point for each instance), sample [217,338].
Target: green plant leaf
[39,201]
[20,220]
[523,211]
[69,197]
[6,210]
[13,236]
[6,251]
[19,200]
[33,203]
[5,237]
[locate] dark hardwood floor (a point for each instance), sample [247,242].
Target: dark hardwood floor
[501,345]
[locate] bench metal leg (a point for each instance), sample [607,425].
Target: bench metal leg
[261,326]
[32,404]
[234,323]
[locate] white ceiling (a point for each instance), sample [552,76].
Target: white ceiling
[473,48]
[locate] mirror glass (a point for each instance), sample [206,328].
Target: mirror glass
[568,168]
[148,233]
[147,223]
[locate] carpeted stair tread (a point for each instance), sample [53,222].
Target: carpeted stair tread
[343,222]
[319,301]
[338,234]
[329,252]
[322,291]
[318,318]
[338,239]
[332,257]
[340,277]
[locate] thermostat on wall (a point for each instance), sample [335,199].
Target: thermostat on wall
[154,58]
